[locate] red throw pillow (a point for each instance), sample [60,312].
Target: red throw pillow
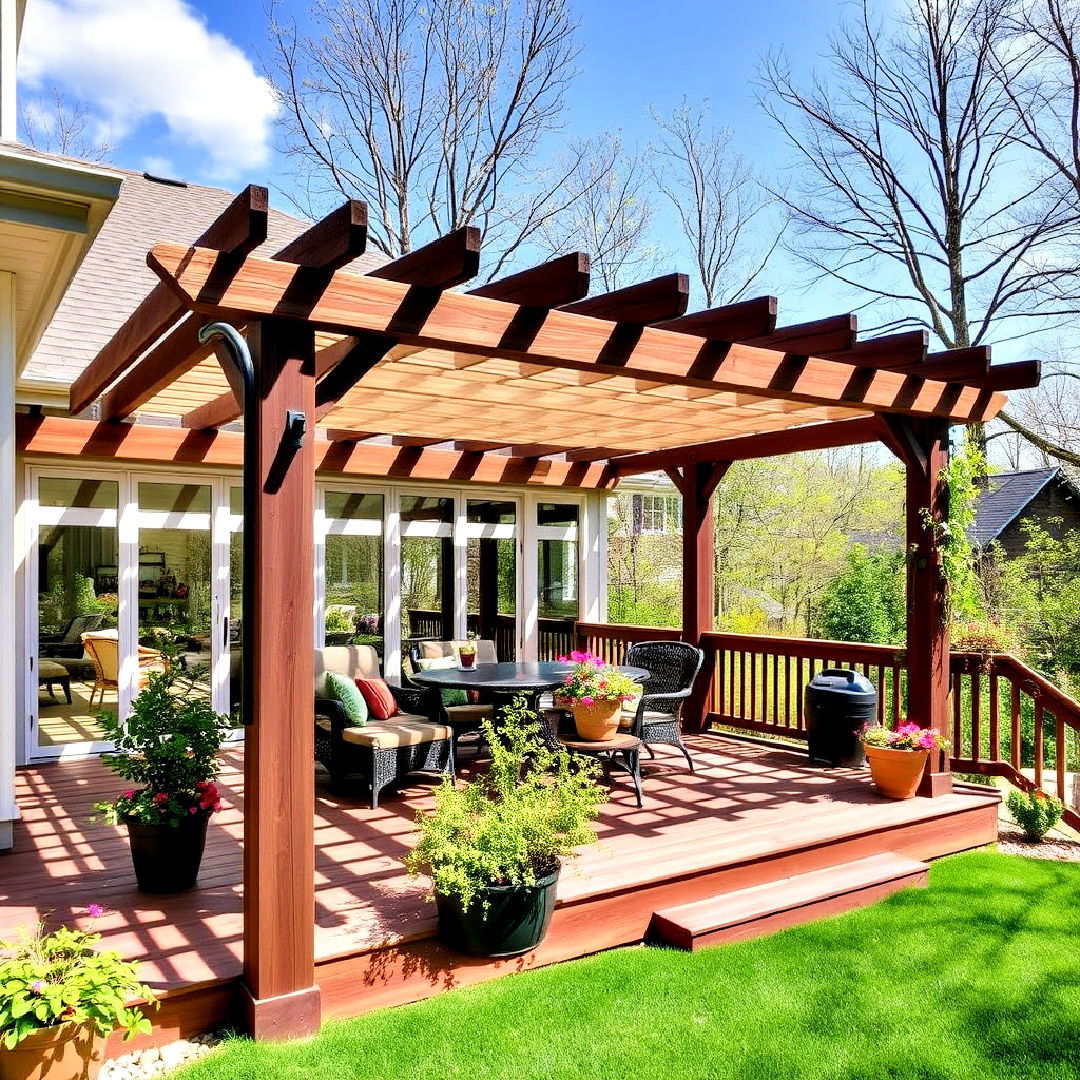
[378,697]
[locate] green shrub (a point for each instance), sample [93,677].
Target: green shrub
[865,601]
[510,825]
[1035,812]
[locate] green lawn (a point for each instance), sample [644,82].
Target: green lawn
[976,977]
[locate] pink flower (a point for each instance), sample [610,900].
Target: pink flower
[129,794]
[561,659]
[193,809]
[217,806]
[588,701]
[160,798]
[579,657]
[95,911]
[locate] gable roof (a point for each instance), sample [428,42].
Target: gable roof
[114,276]
[1006,497]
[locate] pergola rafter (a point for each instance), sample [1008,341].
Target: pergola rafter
[405,378]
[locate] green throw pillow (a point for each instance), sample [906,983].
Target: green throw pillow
[352,701]
[450,698]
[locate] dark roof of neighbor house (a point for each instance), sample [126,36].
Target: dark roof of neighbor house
[1006,497]
[114,277]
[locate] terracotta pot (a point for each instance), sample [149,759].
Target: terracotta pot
[61,1052]
[896,773]
[597,722]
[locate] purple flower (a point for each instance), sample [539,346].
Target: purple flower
[95,911]
[37,986]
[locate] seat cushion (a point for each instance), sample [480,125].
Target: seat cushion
[346,692]
[629,711]
[450,697]
[380,701]
[469,714]
[485,650]
[403,730]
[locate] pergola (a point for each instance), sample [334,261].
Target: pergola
[523,380]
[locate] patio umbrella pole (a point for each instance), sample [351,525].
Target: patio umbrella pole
[238,352]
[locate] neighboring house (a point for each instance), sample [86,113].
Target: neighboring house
[1047,497]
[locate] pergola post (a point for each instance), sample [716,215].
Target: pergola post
[697,483]
[924,449]
[279,838]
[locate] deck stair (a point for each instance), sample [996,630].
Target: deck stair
[789,901]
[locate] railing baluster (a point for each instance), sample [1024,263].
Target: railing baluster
[787,690]
[742,684]
[753,685]
[1060,754]
[1039,742]
[881,693]
[995,730]
[976,715]
[957,726]
[1014,725]
[801,722]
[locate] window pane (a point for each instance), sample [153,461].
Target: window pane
[354,590]
[354,506]
[426,508]
[563,514]
[77,576]
[236,500]
[175,498]
[91,494]
[427,601]
[491,512]
[558,578]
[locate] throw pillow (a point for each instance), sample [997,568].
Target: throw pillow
[450,697]
[378,697]
[344,690]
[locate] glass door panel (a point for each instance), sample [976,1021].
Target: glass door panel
[427,568]
[491,528]
[354,569]
[78,571]
[558,586]
[175,581]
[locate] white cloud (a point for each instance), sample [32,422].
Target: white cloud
[134,62]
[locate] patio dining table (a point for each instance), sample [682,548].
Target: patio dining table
[530,678]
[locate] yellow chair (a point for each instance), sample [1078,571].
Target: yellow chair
[103,649]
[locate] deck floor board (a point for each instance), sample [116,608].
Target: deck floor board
[745,803]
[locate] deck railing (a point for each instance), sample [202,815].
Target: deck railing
[556,634]
[1007,719]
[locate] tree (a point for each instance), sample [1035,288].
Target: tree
[721,207]
[865,601]
[913,187]
[63,126]
[608,211]
[434,114]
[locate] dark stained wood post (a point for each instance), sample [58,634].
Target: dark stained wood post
[279,833]
[924,448]
[697,483]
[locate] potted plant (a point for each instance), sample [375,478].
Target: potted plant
[897,757]
[492,847]
[339,627]
[467,654]
[59,998]
[1035,812]
[167,750]
[594,692]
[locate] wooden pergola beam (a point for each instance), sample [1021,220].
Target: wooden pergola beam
[746,447]
[66,437]
[829,335]
[471,446]
[333,242]
[560,281]
[890,351]
[414,440]
[646,302]
[732,322]
[457,322]
[238,230]
[1023,375]
[448,261]
[599,453]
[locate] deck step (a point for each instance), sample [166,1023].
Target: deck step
[790,901]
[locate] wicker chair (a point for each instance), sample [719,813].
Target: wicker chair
[383,752]
[672,666]
[464,719]
[103,648]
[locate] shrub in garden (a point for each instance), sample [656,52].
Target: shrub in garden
[1035,812]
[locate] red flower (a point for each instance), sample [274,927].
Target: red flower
[160,798]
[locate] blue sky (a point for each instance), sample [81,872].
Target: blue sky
[176,83]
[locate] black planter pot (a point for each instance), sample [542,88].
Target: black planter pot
[513,921]
[167,857]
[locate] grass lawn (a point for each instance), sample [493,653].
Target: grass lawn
[976,977]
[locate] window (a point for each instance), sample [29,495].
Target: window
[660,514]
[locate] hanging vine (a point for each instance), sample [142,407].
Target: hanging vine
[959,477]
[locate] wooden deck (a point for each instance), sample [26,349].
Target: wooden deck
[750,815]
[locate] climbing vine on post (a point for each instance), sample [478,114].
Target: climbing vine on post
[959,478]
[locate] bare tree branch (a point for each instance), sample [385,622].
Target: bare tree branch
[62,126]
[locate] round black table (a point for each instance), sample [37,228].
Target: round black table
[530,677]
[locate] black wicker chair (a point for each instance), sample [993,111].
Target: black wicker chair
[68,643]
[672,666]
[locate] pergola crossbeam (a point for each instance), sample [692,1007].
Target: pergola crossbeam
[470,324]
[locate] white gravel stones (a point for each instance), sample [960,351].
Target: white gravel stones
[159,1060]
